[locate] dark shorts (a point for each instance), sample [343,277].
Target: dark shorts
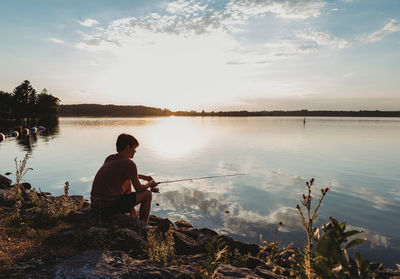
[124,204]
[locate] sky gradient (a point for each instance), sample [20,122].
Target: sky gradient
[212,55]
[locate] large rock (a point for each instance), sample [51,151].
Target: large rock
[106,264]
[5,181]
[244,248]
[185,245]
[183,224]
[226,271]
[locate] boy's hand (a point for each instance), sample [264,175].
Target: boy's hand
[152,184]
[146,177]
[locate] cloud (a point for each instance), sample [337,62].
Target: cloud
[392,27]
[325,39]
[88,22]
[57,41]
[289,9]
[194,18]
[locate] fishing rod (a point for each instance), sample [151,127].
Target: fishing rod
[156,190]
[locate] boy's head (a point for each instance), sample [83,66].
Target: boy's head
[125,140]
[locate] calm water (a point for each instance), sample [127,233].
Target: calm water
[358,158]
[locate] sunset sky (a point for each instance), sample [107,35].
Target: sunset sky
[212,55]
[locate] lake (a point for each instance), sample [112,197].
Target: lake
[358,158]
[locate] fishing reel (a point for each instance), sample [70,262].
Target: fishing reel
[155,190]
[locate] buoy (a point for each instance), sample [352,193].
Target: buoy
[2,137]
[14,133]
[41,128]
[18,129]
[33,130]
[25,132]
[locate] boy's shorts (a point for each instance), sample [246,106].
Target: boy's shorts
[123,204]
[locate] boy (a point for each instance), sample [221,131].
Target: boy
[112,190]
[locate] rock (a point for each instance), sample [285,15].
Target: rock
[165,225]
[106,264]
[227,271]
[389,274]
[78,200]
[184,245]
[27,185]
[264,273]
[198,259]
[183,224]
[82,218]
[3,186]
[124,221]
[94,264]
[6,194]
[253,262]
[154,220]
[244,248]
[5,181]
[190,232]
[6,198]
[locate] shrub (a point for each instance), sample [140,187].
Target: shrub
[160,251]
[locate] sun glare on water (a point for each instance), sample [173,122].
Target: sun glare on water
[175,137]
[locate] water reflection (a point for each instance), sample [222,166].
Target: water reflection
[28,142]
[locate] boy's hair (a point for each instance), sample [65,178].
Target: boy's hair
[124,140]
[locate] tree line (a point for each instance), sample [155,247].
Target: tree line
[25,102]
[127,111]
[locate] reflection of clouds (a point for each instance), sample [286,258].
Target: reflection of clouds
[249,223]
[272,180]
[211,208]
[377,201]
[375,239]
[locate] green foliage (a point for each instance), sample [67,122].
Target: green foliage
[235,258]
[217,251]
[332,258]
[286,260]
[160,251]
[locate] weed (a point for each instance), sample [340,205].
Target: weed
[217,251]
[20,171]
[308,220]
[160,251]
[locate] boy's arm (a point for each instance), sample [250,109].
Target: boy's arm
[139,187]
[145,177]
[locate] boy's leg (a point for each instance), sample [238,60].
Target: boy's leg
[134,213]
[144,198]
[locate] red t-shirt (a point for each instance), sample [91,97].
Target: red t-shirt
[113,180]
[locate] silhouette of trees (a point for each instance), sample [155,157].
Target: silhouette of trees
[23,103]
[47,105]
[24,99]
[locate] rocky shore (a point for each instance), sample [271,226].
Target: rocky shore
[42,236]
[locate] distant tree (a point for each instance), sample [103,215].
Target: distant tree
[47,105]
[24,100]
[5,103]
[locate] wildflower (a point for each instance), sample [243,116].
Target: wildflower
[327,189]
